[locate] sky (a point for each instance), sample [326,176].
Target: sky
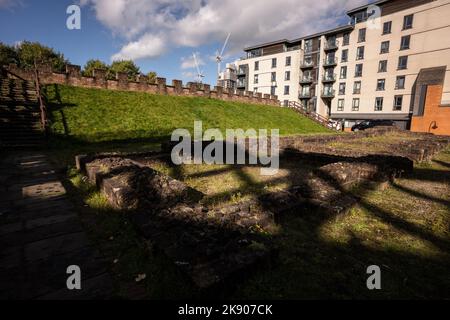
[162,35]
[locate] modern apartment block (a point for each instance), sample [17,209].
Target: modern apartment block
[376,67]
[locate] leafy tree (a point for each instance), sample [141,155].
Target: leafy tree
[152,77]
[7,54]
[126,66]
[29,52]
[91,65]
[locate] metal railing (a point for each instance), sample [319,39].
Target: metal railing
[329,77]
[309,114]
[329,62]
[331,45]
[328,93]
[42,106]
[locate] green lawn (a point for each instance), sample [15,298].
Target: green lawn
[94,115]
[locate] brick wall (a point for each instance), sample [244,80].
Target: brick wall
[73,77]
[436,119]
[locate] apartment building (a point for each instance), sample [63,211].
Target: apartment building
[368,69]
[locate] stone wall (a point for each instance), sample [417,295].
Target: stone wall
[73,77]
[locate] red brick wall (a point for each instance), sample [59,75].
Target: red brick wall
[436,119]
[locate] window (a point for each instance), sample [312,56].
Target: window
[400,82]
[360,53]
[272,90]
[256,65]
[344,56]
[341,89]
[346,39]
[308,46]
[287,75]
[382,66]
[343,72]
[387,27]
[286,103]
[381,83]
[274,62]
[398,102]
[273,77]
[362,35]
[355,105]
[408,22]
[358,70]
[256,78]
[357,87]
[406,40]
[340,106]
[255,89]
[402,62]
[286,90]
[288,61]
[384,47]
[379,104]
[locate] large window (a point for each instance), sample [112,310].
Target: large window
[357,87]
[342,89]
[362,35]
[360,53]
[408,22]
[340,106]
[403,62]
[405,43]
[286,90]
[387,27]
[384,47]
[288,61]
[344,56]
[379,104]
[382,66]
[274,62]
[343,74]
[346,39]
[358,70]
[400,82]
[287,76]
[355,104]
[381,83]
[398,103]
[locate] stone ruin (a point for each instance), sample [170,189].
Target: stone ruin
[212,243]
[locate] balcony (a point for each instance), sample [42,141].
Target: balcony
[328,93]
[240,84]
[331,45]
[306,64]
[305,95]
[327,78]
[330,62]
[306,80]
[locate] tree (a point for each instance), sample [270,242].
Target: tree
[7,55]
[29,52]
[152,77]
[127,66]
[91,65]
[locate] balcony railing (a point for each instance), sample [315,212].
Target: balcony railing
[305,80]
[305,95]
[328,93]
[329,78]
[306,64]
[328,62]
[241,73]
[240,84]
[331,45]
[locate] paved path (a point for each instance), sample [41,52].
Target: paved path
[41,235]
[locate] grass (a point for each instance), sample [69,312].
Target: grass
[95,115]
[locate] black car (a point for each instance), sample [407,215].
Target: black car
[372,124]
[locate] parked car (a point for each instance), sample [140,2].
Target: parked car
[372,124]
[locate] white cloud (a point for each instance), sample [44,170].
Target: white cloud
[149,46]
[150,27]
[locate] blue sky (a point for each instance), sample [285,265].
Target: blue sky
[161,35]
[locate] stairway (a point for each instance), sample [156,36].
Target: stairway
[312,115]
[19,114]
